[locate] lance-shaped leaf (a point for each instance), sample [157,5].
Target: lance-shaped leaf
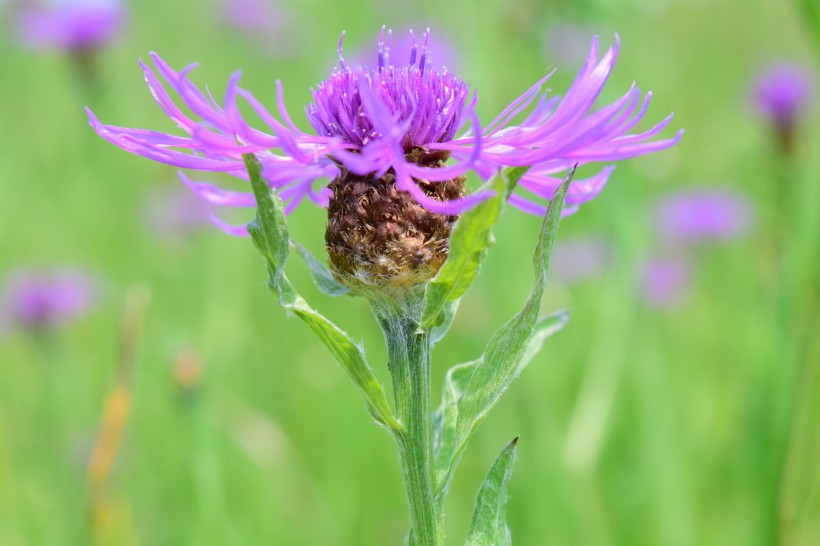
[270,235]
[447,442]
[322,277]
[269,228]
[507,352]
[469,241]
[489,524]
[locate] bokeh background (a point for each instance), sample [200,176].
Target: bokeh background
[679,406]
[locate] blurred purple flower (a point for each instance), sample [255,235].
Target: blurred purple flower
[72,25]
[176,212]
[37,300]
[566,43]
[702,214]
[265,20]
[665,281]
[578,259]
[254,15]
[404,119]
[782,91]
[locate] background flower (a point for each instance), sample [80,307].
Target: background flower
[35,299]
[665,282]
[782,91]
[702,214]
[71,24]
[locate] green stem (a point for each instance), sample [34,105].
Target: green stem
[409,362]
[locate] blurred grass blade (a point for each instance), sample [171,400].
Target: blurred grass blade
[270,235]
[322,277]
[489,524]
[471,237]
[811,8]
[109,511]
[508,351]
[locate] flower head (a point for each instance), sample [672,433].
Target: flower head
[401,132]
[72,25]
[781,92]
[665,281]
[175,212]
[702,215]
[39,300]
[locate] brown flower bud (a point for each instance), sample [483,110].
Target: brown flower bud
[379,238]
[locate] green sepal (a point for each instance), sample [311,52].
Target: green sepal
[319,272]
[471,238]
[489,523]
[270,235]
[469,396]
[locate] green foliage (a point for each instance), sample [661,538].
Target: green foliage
[472,389]
[489,524]
[270,235]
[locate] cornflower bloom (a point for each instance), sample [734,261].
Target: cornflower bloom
[175,213]
[579,259]
[42,300]
[704,214]
[566,42]
[265,20]
[781,93]
[396,141]
[665,281]
[71,25]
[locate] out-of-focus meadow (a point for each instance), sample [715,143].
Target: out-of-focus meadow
[679,407]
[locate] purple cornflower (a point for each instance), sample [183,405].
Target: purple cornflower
[782,91]
[566,43]
[665,281]
[264,20]
[702,215]
[71,25]
[253,15]
[38,300]
[402,120]
[176,212]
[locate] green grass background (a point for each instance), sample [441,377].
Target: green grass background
[697,425]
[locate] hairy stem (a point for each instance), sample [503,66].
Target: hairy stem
[409,363]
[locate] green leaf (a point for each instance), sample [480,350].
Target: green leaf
[489,524]
[347,353]
[269,228]
[469,241]
[447,443]
[508,351]
[322,277]
[446,318]
[270,235]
